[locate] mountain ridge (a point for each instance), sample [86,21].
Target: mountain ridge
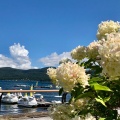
[8,73]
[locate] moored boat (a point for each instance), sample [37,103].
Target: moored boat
[27,101]
[21,85]
[9,98]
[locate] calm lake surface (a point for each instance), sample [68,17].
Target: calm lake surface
[15,109]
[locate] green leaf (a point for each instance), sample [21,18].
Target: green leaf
[97,86]
[100,101]
[87,94]
[106,99]
[94,80]
[102,119]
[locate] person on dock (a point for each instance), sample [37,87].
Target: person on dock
[64,97]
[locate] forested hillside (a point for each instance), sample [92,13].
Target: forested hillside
[8,73]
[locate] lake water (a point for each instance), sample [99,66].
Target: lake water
[15,109]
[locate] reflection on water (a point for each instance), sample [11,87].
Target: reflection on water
[7,108]
[15,109]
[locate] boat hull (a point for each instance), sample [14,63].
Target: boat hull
[28,106]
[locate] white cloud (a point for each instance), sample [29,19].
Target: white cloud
[18,51]
[7,62]
[54,58]
[19,58]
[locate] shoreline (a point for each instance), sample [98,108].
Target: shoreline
[26,116]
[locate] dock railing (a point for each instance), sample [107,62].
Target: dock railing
[14,91]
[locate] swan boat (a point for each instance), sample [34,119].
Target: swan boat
[9,98]
[27,101]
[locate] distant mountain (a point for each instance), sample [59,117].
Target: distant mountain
[7,73]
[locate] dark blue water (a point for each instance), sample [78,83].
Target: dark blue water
[15,109]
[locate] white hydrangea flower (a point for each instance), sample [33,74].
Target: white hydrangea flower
[61,112]
[76,118]
[79,53]
[51,72]
[110,56]
[92,49]
[107,27]
[69,74]
[80,103]
[87,117]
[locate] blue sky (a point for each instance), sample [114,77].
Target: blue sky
[39,33]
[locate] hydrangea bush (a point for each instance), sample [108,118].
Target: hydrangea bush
[94,84]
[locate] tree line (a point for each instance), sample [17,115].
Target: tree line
[7,73]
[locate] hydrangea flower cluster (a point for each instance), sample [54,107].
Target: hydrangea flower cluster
[66,112]
[80,103]
[52,74]
[88,117]
[110,56]
[69,74]
[79,53]
[61,112]
[107,27]
[92,50]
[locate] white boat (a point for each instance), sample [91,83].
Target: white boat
[21,86]
[9,98]
[27,101]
